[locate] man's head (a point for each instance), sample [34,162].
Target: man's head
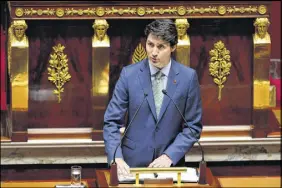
[19,27]
[100,27]
[161,41]
[261,25]
[181,26]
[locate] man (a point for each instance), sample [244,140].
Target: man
[157,136]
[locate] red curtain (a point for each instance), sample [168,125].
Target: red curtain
[3,71]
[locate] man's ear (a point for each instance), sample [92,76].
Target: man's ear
[173,48]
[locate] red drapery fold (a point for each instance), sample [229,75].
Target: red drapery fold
[3,71]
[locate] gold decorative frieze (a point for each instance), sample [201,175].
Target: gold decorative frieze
[30,12]
[201,10]
[139,54]
[140,11]
[219,65]
[58,70]
[242,10]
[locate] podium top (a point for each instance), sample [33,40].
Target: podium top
[103,180]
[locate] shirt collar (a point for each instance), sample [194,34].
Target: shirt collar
[164,70]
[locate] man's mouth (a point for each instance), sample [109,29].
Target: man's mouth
[154,60]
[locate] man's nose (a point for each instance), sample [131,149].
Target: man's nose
[155,52]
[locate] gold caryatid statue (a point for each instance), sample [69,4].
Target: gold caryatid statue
[17,33]
[261,26]
[182,25]
[18,55]
[183,46]
[100,70]
[100,38]
[16,37]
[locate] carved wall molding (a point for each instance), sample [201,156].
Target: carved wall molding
[136,11]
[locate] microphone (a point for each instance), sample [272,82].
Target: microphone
[203,165]
[113,171]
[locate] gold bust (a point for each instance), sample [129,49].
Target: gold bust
[182,25]
[16,37]
[101,38]
[261,27]
[18,28]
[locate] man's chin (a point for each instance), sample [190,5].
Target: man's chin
[160,66]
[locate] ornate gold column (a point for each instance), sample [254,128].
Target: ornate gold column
[18,54]
[100,71]
[183,47]
[261,83]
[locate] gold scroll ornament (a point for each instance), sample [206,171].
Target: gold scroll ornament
[139,54]
[58,70]
[219,65]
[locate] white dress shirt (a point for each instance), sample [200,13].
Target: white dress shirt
[164,70]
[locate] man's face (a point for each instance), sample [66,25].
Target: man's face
[181,30]
[19,32]
[158,51]
[101,31]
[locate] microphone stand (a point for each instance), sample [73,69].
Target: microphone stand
[203,164]
[113,171]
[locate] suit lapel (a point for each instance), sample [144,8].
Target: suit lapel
[145,80]
[172,83]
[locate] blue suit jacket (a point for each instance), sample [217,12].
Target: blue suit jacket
[147,135]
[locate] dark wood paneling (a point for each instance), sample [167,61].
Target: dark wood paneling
[46,171]
[19,136]
[75,107]
[235,106]
[261,122]
[62,171]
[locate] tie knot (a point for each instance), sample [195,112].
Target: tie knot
[159,75]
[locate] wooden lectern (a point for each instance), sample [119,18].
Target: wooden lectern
[103,180]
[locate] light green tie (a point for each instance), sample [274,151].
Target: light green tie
[157,91]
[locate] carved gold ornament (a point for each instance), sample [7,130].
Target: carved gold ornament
[40,12]
[60,12]
[120,11]
[262,9]
[139,54]
[58,70]
[19,12]
[140,11]
[221,10]
[219,65]
[31,12]
[100,11]
[201,10]
[181,10]
[242,10]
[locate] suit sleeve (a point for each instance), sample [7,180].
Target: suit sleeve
[114,117]
[185,140]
